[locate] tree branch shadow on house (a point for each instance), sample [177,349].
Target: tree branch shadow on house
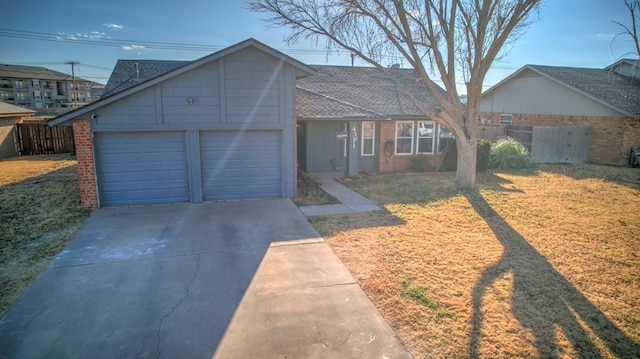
[542,299]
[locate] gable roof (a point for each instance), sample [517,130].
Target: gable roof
[632,62]
[609,88]
[9,110]
[342,92]
[301,71]
[128,73]
[32,72]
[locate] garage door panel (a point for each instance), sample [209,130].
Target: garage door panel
[241,164]
[143,168]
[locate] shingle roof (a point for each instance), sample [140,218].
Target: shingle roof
[606,86]
[618,91]
[128,73]
[130,86]
[32,72]
[311,105]
[336,92]
[333,92]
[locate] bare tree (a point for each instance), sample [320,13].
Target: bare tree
[457,40]
[631,31]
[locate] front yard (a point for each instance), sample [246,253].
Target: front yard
[538,263]
[39,211]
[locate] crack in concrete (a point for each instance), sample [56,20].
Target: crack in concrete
[334,285]
[167,315]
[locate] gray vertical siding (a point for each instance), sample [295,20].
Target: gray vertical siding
[324,149]
[246,91]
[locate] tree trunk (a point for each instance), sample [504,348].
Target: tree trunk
[466,170]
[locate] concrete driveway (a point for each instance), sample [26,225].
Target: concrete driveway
[236,279]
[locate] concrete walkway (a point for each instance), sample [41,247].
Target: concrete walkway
[351,202]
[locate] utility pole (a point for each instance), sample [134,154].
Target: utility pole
[73,78]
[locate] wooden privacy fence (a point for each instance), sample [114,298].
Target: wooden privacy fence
[39,139]
[546,144]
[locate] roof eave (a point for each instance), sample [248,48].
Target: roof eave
[302,70]
[562,83]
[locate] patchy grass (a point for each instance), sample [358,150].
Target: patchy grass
[39,211]
[309,194]
[535,263]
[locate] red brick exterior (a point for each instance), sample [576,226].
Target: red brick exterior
[611,137]
[388,161]
[86,165]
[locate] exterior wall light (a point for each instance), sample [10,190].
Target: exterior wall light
[191,100]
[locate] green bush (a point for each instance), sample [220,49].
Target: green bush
[421,163]
[509,153]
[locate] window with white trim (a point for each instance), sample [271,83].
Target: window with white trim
[368,138]
[404,137]
[506,119]
[426,139]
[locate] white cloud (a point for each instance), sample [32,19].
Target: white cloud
[604,36]
[93,35]
[133,47]
[113,26]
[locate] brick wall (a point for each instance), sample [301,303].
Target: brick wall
[388,161]
[611,137]
[86,167]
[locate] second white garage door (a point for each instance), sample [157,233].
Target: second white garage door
[241,164]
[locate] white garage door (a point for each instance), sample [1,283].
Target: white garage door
[142,168]
[241,164]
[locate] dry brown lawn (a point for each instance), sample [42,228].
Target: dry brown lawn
[538,263]
[39,211]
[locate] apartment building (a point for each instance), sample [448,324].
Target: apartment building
[46,91]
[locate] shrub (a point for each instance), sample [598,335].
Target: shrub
[421,163]
[509,153]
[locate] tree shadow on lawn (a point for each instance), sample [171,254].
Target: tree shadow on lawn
[542,298]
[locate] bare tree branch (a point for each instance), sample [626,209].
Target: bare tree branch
[634,10]
[447,40]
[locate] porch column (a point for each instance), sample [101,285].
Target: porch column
[353,149]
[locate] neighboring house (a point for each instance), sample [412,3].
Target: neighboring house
[221,127]
[9,116]
[607,99]
[46,91]
[358,119]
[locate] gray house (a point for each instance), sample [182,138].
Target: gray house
[607,100]
[221,127]
[358,119]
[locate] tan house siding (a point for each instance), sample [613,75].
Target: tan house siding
[611,137]
[86,168]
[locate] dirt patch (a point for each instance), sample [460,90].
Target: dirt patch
[39,211]
[536,263]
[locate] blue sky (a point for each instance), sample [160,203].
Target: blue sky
[574,33]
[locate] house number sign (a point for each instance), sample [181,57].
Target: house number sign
[354,136]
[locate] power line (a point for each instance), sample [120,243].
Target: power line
[99,41]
